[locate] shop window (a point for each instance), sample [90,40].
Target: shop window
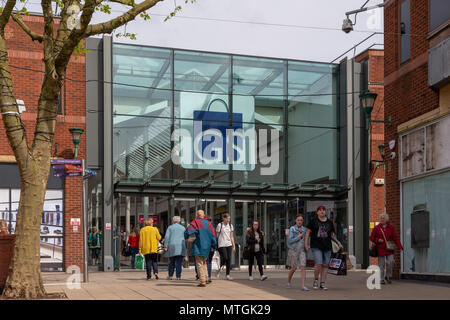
[426,149]
[439,13]
[413,151]
[52,225]
[424,245]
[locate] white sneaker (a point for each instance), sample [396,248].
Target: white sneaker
[250,278]
[229,278]
[263,278]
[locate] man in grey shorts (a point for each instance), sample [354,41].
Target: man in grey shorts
[321,231]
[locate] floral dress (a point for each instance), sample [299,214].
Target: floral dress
[297,258]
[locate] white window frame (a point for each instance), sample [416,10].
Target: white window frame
[400,158]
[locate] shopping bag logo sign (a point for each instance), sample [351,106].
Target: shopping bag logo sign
[212,143]
[335,263]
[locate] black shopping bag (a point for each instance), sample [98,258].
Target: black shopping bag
[338,264]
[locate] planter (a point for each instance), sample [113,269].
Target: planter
[6,249]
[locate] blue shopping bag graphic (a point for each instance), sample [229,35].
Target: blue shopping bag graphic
[218,121]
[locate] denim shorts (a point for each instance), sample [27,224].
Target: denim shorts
[321,257]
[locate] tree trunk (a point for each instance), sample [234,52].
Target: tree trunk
[24,276]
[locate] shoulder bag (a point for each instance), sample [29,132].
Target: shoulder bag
[390,245]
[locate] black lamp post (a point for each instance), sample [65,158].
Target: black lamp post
[76,137]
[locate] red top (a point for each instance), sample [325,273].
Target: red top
[389,233]
[133,241]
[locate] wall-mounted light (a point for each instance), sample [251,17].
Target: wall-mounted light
[76,137]
[367,103]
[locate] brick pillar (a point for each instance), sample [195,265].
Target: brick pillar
[73,208]
[6,247]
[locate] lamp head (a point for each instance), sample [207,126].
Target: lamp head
[347,25]
[76,134]
[367,102]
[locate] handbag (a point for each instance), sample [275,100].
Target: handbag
[160,248]
[191,238]
[140,262]
[186,262]
[215,261]
[373,251]
[126,251]
[390,245]
[246,253]
[334,247]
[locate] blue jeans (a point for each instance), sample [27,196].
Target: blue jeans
[134,252]
[175,262]
[321,257]
[151,261]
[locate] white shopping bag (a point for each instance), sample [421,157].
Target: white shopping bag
[215,263]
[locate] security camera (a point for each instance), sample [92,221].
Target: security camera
[347,25]
[392,155]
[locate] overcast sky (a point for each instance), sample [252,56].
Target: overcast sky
[295,29]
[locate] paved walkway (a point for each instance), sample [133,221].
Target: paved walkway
[132,285]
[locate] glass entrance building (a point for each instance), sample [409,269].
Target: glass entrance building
[173,131]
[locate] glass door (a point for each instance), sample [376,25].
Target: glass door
[275,230]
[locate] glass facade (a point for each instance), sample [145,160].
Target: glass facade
[291,106]
[199,117]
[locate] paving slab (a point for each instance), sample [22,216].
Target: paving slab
[132,285]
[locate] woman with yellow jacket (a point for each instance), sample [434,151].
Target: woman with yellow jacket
[148,246]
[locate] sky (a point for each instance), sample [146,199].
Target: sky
[293,29]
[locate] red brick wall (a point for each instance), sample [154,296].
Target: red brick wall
[407,94]
[6,245]
[25,58]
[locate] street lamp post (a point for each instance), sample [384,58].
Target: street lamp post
[76,138]
[367,103]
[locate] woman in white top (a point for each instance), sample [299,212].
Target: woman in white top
[226,245]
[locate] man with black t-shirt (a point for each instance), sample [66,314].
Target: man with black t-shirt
[321,230]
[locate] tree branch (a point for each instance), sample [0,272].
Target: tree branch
[109,26]
[4,18]
[15,131]
[33,35]
[63,30]
[130,3]
[48,18]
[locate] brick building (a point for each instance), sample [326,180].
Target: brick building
[64,195]
[373,62]
[417,97]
